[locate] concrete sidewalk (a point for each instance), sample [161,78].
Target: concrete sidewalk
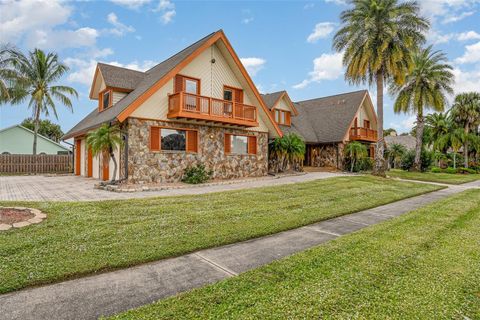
[113,292]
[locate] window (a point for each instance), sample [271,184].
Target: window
[227,95]
[105,99]
[186,84]
[282,117]
[191,86]
[238,144]
[366,124]
[165,139]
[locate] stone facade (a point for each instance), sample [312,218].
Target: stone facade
[146,166]
[326,155]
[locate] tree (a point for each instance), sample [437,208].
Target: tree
[389,132]
[466,112]
[455,138]
[395,153]
[438,124]
[288,150]
[105,141]
[377,38]
[37,72]
[46,128]
[355,151]
[425,87]
[7,73]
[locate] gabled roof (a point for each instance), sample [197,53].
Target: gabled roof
[118,77]
[272,99]
[327,119]
[407,141]
[154,79]
[38,135]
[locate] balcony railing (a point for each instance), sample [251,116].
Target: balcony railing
[194,106]
[365,134]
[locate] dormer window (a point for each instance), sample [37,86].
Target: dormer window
[282,117]
[105,99]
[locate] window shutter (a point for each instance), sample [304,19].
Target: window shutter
[287,118]
[178,83]
[228,143]
[155,138]
[252,145]
[192,141]
[238,95]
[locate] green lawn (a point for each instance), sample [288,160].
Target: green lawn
[434,177]
[423,265]
[85,237]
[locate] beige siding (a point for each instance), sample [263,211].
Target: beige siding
[111,165]
[117,96]
[212,77]
[365,113]
[283,105]
[82,158]
[96,167]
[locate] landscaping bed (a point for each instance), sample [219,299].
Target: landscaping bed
[81,238]
[423,265]
[439,177]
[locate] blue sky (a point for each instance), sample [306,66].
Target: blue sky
[284,45]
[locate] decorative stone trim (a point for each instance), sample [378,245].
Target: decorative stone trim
[139,188]
[38,217]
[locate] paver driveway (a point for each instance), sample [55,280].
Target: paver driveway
[73,188]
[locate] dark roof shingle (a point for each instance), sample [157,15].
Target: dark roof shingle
[118,77]
[271,98]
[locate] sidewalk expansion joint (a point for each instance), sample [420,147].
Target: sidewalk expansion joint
[322,231]
[216,265]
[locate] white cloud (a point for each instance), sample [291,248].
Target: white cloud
[325,67]
[450,10]
[247,20]
[469,35]
[131,4]
[321,30]
[404,125]
[455,18]
[337,2]
[253,65]
[164,5]
[119,29]
[48,39]
[471,55]
[309,6]
[167,10]
[466,80]
[167,17]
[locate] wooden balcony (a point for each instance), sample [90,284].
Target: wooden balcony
[193,106]
[363,134]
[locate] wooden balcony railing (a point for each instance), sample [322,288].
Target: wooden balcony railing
[194,106]
[365,134]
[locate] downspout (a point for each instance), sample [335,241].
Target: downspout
[337,157]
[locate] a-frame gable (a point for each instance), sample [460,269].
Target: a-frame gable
[365,101]
[286,99]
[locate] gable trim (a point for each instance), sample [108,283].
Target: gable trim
[345,138]
[290,103]
[160,83]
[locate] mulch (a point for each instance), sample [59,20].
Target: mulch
[10,215]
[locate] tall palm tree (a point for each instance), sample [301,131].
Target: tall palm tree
[8,75]
[395,153]
[105,141]
[466,112]
[439,124]
[455,138]
[355,151]
[426,87]
[37,73]
[377,37]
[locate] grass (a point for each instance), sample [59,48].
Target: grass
[79,238]
[423,265]
[434,177]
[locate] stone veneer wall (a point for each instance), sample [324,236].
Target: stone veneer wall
[145,166]
[326,155]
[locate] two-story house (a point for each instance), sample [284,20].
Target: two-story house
[199,106]
[326,124]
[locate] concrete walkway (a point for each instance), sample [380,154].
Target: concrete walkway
[113,292]
[74,188]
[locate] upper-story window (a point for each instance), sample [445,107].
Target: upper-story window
[366,124]
[192,86]
[282,117]
[105,99]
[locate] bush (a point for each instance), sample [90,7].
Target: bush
[364,164]
[408,159]
[450,170]
[196,174]
[466,171]
[436,170]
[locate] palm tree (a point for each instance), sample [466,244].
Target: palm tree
[425,88]
[466,112]
[455,138]
[105,141]
[439,124]
[37,72]
[355,151]
[395,153]
[377,37]
[7,73]
[289,149]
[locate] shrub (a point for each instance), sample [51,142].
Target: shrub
[408,159]
[196,174]
[450,170]
[364,164]
[466,171]
[436,170]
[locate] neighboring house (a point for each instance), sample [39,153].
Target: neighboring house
[197,107]
[327,124]
[19,140]
[407,141]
